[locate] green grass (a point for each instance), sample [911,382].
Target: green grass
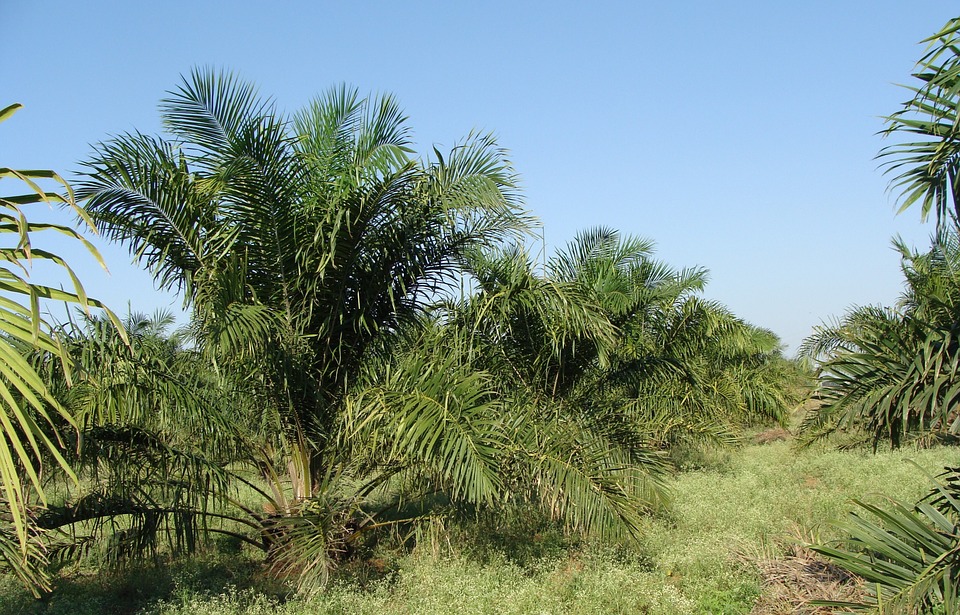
[696,559]
[762,500]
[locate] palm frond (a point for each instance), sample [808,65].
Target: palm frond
[579,481]
[209,109]
[438,416]
[28,412]
[908,556]
[925,171]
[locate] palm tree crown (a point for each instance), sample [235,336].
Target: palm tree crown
[318,233]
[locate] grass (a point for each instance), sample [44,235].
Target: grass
[732,513]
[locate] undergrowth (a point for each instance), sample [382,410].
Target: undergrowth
[731,516]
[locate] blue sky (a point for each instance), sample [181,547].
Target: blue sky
[740,136]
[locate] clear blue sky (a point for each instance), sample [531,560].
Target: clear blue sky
[738,135]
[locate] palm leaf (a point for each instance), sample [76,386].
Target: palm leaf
[925,170]
[908,557]
[28,412]
[439,417]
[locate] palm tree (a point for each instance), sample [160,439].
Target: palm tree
[613,356]
[314,253]
[306,249]
[299,245]
[906,554]
[678,358]
[540,338]
[160,442]
[892,373]
[33,425]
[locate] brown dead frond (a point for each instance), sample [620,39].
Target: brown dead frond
[792,580]
[775,434]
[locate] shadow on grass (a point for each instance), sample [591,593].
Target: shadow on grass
[88,591]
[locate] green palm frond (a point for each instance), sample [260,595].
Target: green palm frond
[30,567]
[209,110]
[908,556]
[138,480]
[437,416]
[925,170]
[143,192]
[28,412]
[590,486]
[597,251]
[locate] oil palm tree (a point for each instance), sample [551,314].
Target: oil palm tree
[893,373]
[609,351]
[541,338]
[680,359]
[160,443]
[306,248]
[908,554]
[298,244]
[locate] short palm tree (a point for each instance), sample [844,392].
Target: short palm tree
[160,442]
[542,338]
[614,356]
[907,554]
[893,373]
[679,359]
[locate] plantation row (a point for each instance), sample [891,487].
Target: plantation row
[369,336]
[372,348]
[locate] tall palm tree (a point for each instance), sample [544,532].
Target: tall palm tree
[299,244]
[306,248]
